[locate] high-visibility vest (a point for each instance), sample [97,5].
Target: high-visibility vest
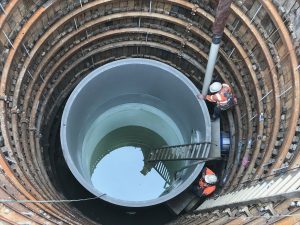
[207,188]
[221,97]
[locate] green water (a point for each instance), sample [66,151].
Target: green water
[118,161]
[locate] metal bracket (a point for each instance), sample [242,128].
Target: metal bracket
[38,134]
[183,43]
[24,120]
[271,209]
[180,53]
[15,110]
[217,212]
[32,128]
[206,215]
[229,212]
[4,98]
[194,9]
[27,213]
[295,204]
[188,27]
[269,162]
[246,211]
[280,170]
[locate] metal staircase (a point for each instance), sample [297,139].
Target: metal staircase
[163,172]
[282,187]
[194,151]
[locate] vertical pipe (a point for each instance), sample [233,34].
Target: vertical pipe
[222,14]
[212,58]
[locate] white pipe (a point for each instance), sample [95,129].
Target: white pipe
[213,53]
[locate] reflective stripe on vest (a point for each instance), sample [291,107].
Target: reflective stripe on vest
[209,190]
[222,100]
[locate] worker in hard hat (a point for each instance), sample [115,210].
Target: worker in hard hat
[222,95]
[207,183]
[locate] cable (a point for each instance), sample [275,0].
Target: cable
[49,201]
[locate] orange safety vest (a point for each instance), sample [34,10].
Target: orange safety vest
[220,97]
[207,188]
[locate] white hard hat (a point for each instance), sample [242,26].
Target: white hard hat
[215,87]
[211,179]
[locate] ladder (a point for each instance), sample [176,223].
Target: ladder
[285,186]
[163,172]
[196,151]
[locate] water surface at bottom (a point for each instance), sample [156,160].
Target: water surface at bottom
[118,175]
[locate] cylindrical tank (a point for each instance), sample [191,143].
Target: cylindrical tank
[116,115]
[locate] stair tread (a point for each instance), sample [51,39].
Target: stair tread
[191,151]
